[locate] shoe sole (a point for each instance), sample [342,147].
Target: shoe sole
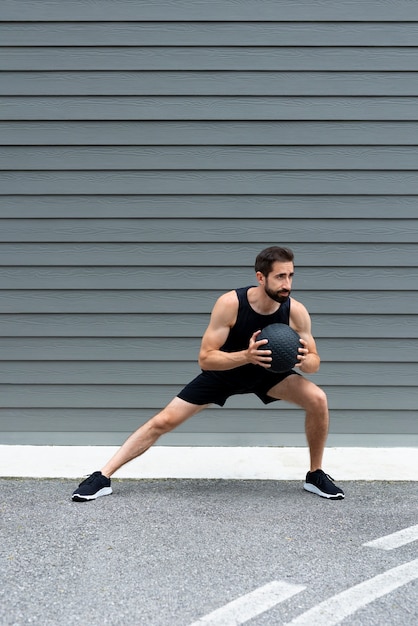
[106,491]
[322,494]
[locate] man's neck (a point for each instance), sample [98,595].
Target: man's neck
[261,302]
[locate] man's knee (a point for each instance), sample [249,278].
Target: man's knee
[317,400]
[172,416]
[164,422]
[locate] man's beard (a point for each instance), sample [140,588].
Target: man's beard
[277,296]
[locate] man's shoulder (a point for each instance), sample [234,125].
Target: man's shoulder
[235,295]
[229,297]
[297,308]
[225,309]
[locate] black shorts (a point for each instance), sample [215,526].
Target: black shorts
[212,387]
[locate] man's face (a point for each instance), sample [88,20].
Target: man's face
[278,283]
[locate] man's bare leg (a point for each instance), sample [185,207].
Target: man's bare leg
[98,483]
[312,399]
[174,414]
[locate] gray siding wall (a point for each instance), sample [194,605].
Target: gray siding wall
[148,151]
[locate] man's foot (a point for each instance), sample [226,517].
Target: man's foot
[320,483]
[93,487]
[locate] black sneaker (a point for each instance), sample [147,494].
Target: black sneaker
[320,483]
[93,487]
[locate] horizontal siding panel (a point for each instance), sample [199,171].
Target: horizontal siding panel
[119,33]
[109,301]
[48,420]
[303,108]
[225,83]
[209,421]
[188,278]
[167,349]
[355,300]
[176,438]
[97,373]
[152,373]
[189,325]
[112,325]
[154,397]
[196,10]
[121,277]
[210,230]
[198,301]
[101,348]
[222,206]
[213,421]
[222,83]
[200,255]
[210,158]
[183,58]
[211,182]
[166,133]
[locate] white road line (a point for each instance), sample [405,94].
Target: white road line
[340,606]
[395,540]
[252,604]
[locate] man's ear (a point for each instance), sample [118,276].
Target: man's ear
[260,278]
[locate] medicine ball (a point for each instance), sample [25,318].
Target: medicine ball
[284,343]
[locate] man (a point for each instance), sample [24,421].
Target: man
[233,362]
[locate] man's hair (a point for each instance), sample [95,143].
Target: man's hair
[268,256]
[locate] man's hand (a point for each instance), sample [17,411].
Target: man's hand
[255,354]
[303,353]
[308,361]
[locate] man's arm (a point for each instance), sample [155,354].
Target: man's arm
[222,319]
[300,321]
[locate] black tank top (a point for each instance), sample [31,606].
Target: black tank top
[248,321]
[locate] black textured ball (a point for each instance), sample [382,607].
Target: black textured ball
[284,343]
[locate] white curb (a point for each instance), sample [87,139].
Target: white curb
[252,463]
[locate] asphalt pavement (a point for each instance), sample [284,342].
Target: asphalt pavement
[220,552]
